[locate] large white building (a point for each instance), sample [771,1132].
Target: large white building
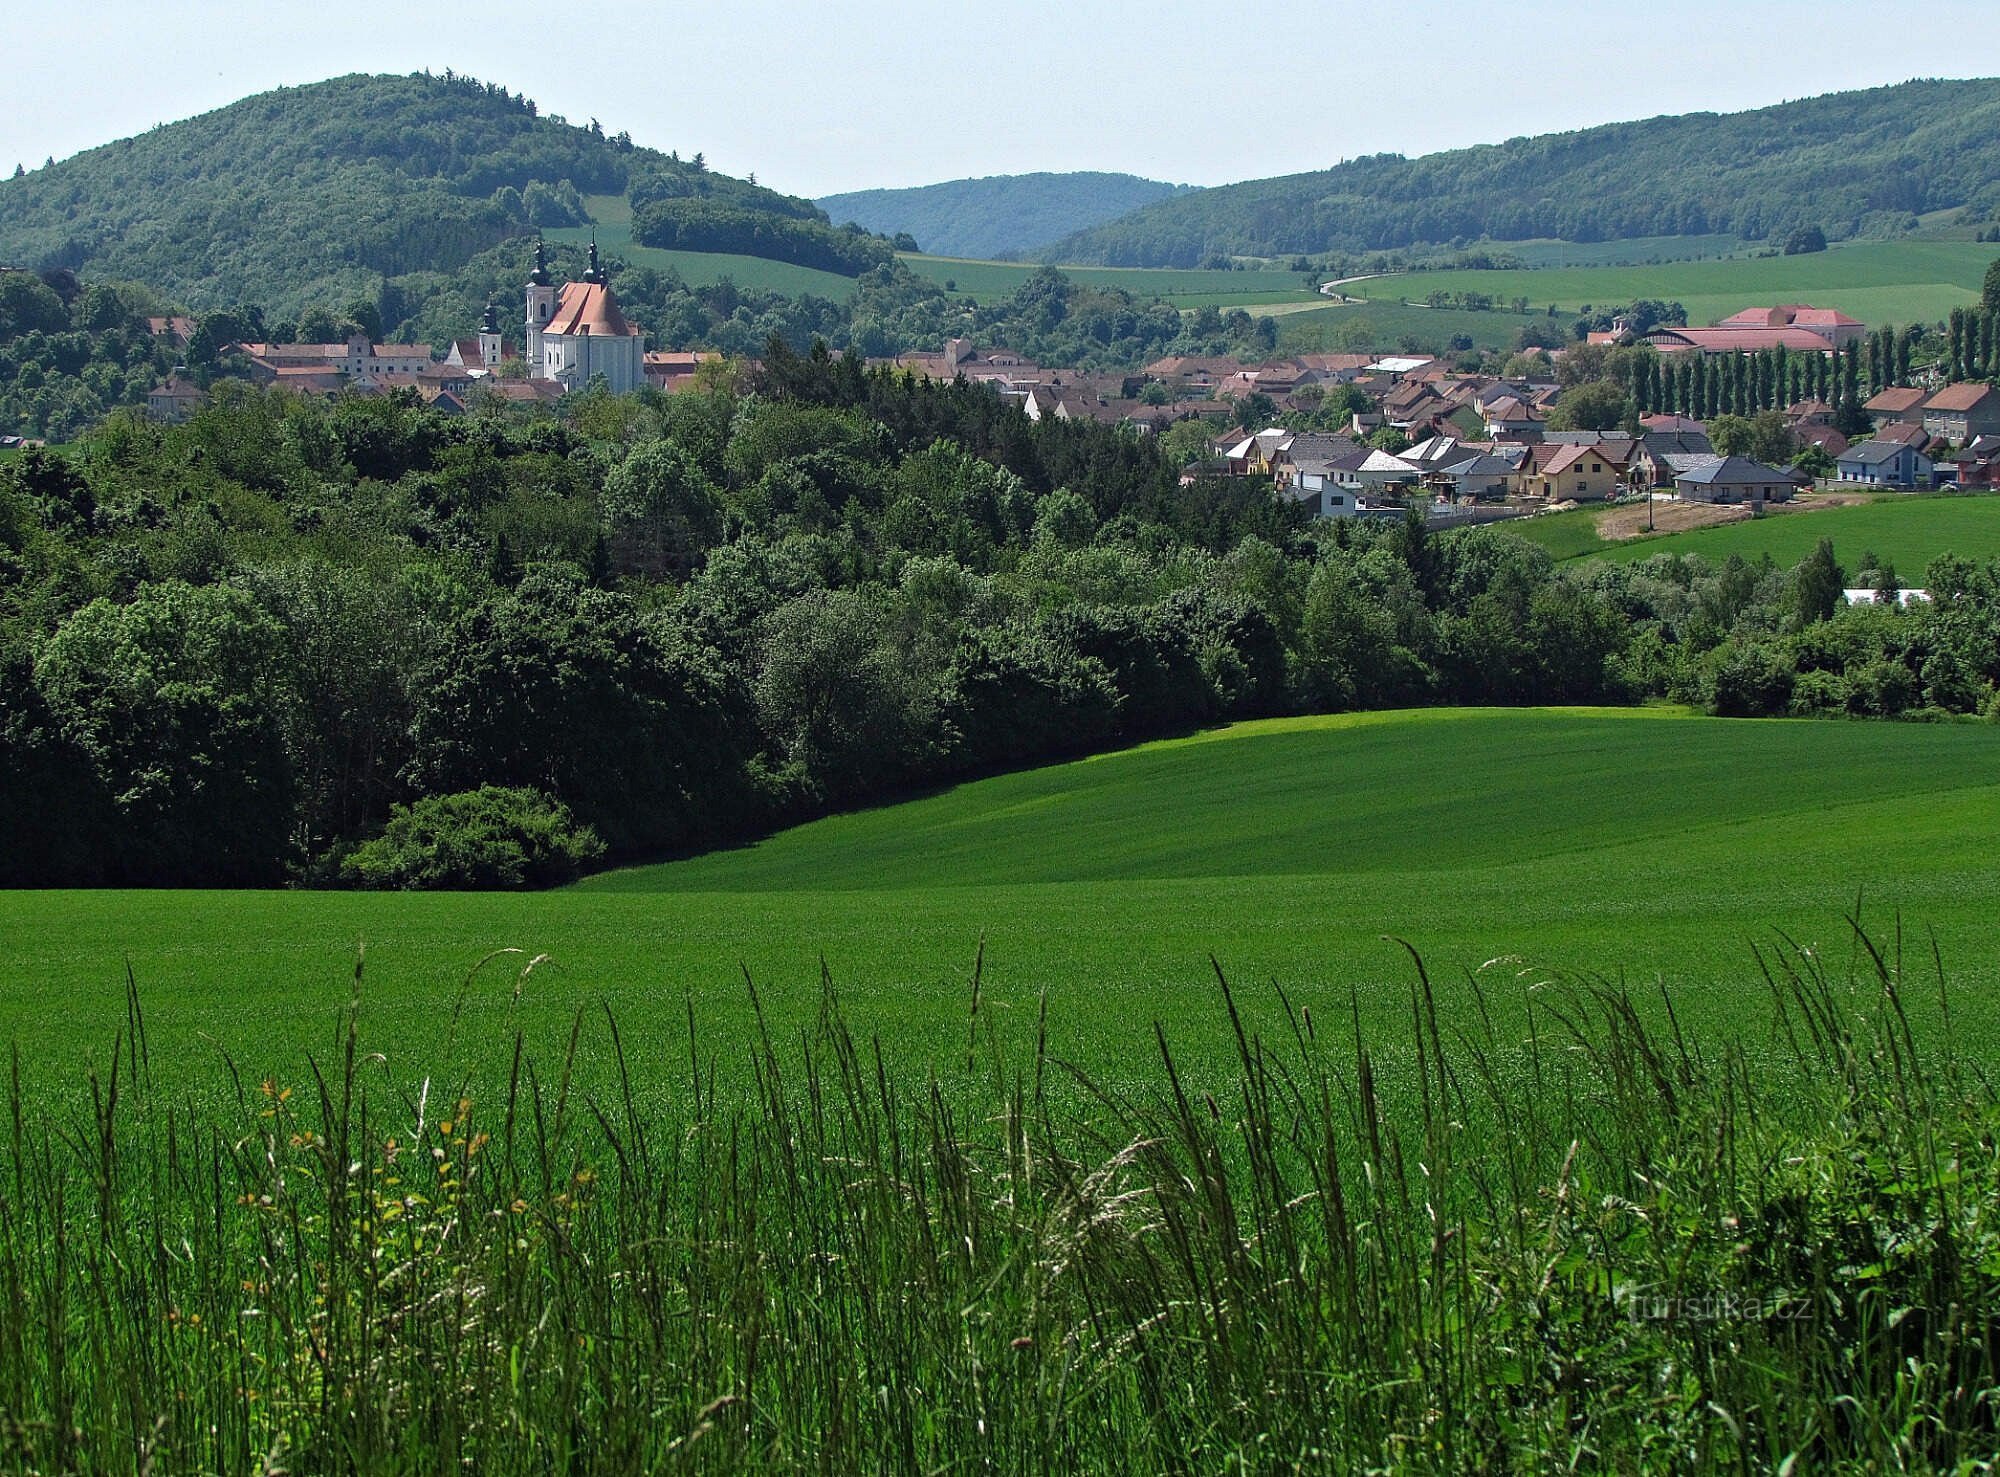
[579,332]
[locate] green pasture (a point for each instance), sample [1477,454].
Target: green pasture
[1386,324]
[1567,535]
[1876,281]
[1641,844]
[1184,288]
[1907,530]
[700,268]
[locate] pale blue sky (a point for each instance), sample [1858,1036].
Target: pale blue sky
[818,98]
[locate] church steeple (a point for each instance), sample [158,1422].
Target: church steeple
[491,323]
[540,276]
[596,273]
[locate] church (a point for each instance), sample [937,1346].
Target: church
[581,332]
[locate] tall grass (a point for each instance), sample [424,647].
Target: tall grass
[1599,1245]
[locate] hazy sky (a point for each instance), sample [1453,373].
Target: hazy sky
[819,98]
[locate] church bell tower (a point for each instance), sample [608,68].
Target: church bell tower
[541,308]
[489,338]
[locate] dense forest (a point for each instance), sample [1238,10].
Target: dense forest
[350,188]
[362,642]
[1002,215]
[1852,163]
[710,225]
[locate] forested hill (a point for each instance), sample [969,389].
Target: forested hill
[330,192]
[1000,215]
[1850,163]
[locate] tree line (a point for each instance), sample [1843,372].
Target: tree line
[243,650]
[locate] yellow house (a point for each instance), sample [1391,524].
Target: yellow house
[1578,472]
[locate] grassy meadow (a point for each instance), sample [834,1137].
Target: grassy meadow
[1684,1210]
[1183,287]
[1906,529]
[1633,842]
[1878,282]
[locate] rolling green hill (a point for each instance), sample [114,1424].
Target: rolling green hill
[362,186]
[1639,842]
[1000,215]
[1851,163]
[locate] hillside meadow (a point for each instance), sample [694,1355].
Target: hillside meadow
[1878,282]
[1640,844]
[1908,530]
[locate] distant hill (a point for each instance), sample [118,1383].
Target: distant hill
[1853,163]
[1001,215]
[362,186]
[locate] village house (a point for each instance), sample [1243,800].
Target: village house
[1734,479]
[1978,465]
[174,401]
[1570,472]
[1897,405]
[1962,413]
[1508,418]
[1649,465]
[1884,464]
[1306,446]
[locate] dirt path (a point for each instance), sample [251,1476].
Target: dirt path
[1630,521]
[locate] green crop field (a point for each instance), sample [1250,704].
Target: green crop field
[1876,281]
[1907,530]
[700,268]
[1386,324]
[1190,288]
[533,1226]
[1640,842]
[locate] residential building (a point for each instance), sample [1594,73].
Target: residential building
[174,401]
[1569,472]
[1897,405]
[1735,479]
[1963,412]
[1978,465]
[1884,464]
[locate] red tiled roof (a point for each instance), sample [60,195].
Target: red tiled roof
[1959,397]
[1896,400]
[589,307]
[1723,340]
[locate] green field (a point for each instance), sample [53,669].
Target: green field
[1907,530]
[1876,281]
[982,281]
[1639,842]
[1386,324]
[1189,288]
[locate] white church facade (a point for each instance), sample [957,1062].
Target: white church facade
[579,332]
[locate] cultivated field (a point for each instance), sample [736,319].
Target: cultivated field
[1639,842]
[1876,281]
[1906,529]
[886,1223]
[1184,288]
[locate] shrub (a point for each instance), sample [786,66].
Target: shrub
[491,837]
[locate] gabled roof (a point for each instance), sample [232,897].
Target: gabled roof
[1684,442]
[1789,314]
[1959,398]
[1875,453]
[1896,400]
[1905,434]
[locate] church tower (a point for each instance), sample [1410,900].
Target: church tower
[541,308]
[489,338]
